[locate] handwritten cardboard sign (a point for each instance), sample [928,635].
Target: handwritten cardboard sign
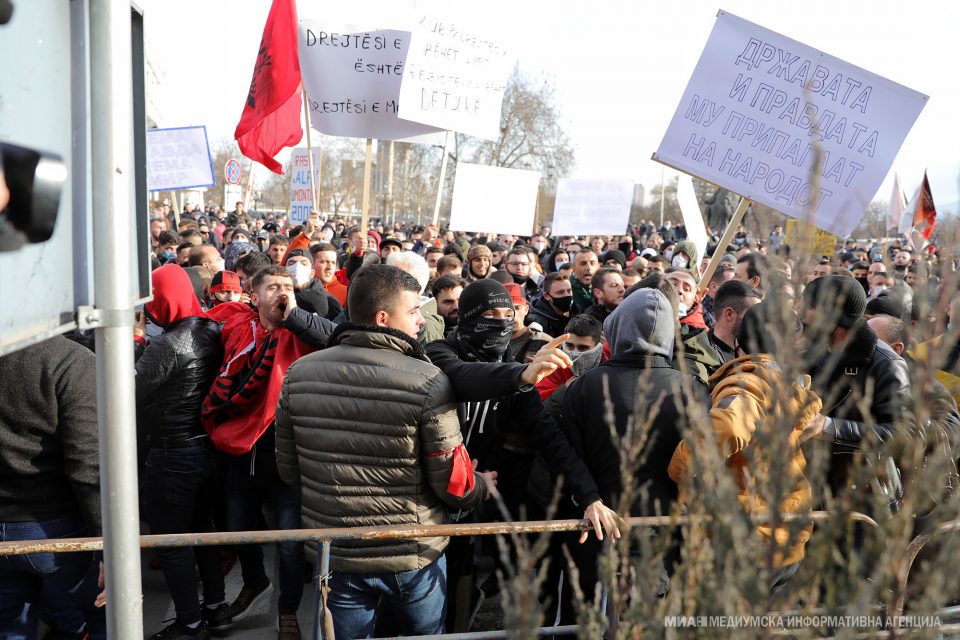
[787,125]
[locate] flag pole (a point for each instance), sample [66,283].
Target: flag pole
[176,207]
[723,244]
[443,178]
[314,195]
[390,188]
[365,207]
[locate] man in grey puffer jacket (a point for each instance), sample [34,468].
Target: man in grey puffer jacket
[368,428]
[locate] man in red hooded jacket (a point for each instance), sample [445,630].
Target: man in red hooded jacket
[174,373]
[260,341]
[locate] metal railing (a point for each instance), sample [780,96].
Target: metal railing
[322,625]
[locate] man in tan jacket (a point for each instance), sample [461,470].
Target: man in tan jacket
[368,429]
[759,417]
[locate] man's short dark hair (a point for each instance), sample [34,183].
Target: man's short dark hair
[433,250]
[502,276]
[630,272]
[446,281]
[190,233]
[656,258]
[321,246]
[251,263]
[551,278]
[734,294]
[719,276]
[758,266]
[449,261]
[184,245]
[599,279]
[266,272]
[585,326]
[167,237]
[377,288]
[279,239]
[658,281]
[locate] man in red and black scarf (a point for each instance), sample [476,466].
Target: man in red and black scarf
[260,341]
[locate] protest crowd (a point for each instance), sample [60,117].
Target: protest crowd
[417,375]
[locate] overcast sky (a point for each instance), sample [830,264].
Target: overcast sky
[620,67]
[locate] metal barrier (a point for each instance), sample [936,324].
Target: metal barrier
[324,537]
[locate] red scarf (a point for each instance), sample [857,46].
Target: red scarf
[242,402]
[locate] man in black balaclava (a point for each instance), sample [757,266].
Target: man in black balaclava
[501,416]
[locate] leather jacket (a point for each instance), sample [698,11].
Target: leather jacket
[174,373]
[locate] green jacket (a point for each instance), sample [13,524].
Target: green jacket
[700,357]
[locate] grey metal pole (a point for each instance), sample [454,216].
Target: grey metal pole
[111,124]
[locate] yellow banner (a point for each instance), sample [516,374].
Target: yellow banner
[821,242]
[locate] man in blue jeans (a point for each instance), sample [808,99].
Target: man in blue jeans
[49,483]
[367,430]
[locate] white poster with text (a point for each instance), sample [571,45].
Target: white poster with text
[178,159]
[494,199]
[788,126]
[301,192]
[592,207]
[352,78]
[454,77]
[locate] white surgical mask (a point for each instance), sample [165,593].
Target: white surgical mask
[683,310]
[539,246]
[221,265]
[668,254]
[680,261]
[300,273]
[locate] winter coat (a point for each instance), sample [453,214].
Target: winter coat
[543,314]
[841,380]
[368,429]
[584,422]
[433,326]
[175,370]
[49,466]
[747,399]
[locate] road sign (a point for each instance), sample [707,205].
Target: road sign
[232,171]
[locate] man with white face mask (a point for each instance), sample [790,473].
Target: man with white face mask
[206,256]
[309,292]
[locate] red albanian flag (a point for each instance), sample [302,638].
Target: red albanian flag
[925,215]
[271,116]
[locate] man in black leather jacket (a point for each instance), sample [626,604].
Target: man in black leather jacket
[174,373]
[849,366]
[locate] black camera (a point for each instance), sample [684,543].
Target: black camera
[33,181]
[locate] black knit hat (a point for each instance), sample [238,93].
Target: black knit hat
[841,296]
[480,296]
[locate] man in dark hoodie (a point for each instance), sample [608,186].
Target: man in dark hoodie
[552,310]
[641,333]
[174,373]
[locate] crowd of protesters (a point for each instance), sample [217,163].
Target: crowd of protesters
[416,375]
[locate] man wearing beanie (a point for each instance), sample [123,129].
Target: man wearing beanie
[641,333]
[479,263]
[225,287]
[757,414]
[502,418]
[850,366]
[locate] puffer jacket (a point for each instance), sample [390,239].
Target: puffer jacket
[747,406]
[368,429]
[175,370]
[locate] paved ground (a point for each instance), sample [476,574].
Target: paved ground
[259,624]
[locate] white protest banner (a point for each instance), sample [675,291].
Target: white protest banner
[592,207]
[232,194]
[494,199]
[759,105]
[352,78]
[178,159]
[454,77]
[301,199]
[692,216]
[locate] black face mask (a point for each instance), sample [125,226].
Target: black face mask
[865,284]
[486,338]
[520,280]
[563,303]
[626,248]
